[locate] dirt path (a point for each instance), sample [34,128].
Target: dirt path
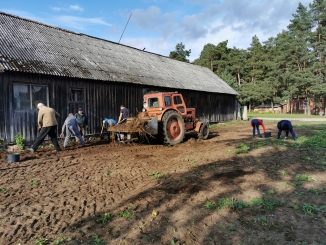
[83,195]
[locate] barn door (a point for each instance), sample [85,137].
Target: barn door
[77,100]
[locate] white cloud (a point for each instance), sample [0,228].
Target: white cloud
[78,22]
[69,8]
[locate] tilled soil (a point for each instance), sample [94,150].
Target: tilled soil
[84,195]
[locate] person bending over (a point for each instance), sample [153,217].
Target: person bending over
[285,125]
[255,125]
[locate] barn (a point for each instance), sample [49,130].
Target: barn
[67,70]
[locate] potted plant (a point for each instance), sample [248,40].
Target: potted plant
[14,155]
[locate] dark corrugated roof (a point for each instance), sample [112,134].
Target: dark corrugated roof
[30,46]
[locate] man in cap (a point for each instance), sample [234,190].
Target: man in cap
[82,118]
[47,125]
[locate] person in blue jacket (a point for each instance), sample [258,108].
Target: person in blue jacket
[285,125]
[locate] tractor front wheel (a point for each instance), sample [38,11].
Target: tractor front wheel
[172,128]
[203,131]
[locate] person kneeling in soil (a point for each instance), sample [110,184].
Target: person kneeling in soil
[255,125]
[286,125]
[71,128]
[108,122]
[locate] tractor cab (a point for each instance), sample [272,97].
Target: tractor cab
[156,103]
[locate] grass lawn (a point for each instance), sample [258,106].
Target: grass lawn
[279,115]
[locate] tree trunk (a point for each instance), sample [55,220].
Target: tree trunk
[239,79]
[324,105]
[308,107]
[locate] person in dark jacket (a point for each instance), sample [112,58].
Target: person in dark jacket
[285,125]
[70,126]
[124,114]
[255,125]
[83,121]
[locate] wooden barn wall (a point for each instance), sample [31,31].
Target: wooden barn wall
[102,100]
[2,107]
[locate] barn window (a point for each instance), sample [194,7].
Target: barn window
[26,97]
[76,95]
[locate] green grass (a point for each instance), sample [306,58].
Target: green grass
[124,214]
[61,240]
[242,148]
[41,242]
[266,202]
[218,125]
[304,177]
[156,175]
[210,205]
[281,115]
[105,218]
[261,219]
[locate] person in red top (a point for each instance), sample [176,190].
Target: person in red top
[255,125]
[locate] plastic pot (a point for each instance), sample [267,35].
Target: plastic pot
[13,157]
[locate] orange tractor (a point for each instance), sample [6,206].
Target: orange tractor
[166,116]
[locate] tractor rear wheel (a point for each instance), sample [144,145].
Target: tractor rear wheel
[172,128]
[203,131]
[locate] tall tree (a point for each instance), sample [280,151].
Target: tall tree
[180,53]
[318,11]
[208,57]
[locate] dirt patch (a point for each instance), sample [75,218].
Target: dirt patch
[154,194]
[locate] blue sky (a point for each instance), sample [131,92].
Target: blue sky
[158,25]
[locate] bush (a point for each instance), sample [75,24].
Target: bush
[20,142]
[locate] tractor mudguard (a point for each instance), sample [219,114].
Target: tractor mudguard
[198,124]
[152,126]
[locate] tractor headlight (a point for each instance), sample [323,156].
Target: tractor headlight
[161,109]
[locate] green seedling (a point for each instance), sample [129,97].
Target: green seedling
[231,228]
[266,202]
[271,192]
[61,240]
[210,205]
[306,158]
[156,175]
[304,177]
[197,172]
[106,218]
[309,209]
[244,148]
[33,183]
[284,173]
[317,191]
[97,241]
[2,191]
[295,207]
[261,219]
[125,214]
[231,203]
[41,242]
[192,160]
